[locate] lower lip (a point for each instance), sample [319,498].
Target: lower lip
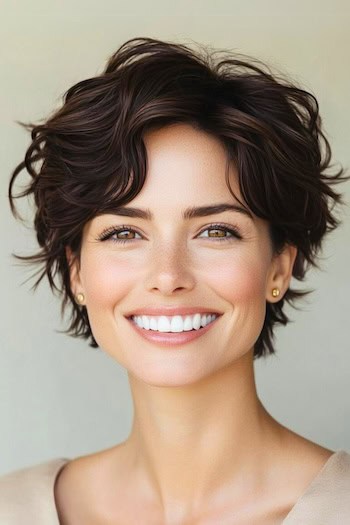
[172,338]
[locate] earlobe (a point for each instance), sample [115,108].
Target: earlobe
[281,273]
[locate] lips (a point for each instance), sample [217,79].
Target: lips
[172,340]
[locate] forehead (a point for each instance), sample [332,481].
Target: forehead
[186,165]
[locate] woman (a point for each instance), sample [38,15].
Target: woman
[176,198]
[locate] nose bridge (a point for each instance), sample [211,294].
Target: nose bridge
[169,266]
[170,256]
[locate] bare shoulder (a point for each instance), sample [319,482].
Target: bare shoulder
[302,451]
[81,486]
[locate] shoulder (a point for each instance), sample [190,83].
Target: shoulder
[327,498]
[334,479]
[86,487]
[27,494]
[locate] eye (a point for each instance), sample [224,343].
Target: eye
[119,235]
[220,232]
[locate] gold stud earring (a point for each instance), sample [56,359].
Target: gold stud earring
[275,292]
[80,298]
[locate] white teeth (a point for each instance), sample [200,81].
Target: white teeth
[163,324]
[145,322]
[153,325]
[176,323]
[196,321]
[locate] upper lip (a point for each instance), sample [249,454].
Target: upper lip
[171,310]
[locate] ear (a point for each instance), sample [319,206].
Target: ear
[74,271]
[280,272]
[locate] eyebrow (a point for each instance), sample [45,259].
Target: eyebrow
[189,213]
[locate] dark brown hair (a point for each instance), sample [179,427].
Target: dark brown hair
[92,156]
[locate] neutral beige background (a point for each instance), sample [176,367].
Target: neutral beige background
[58,397]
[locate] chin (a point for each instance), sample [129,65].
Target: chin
[171,376]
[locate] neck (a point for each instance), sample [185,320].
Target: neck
[190,441]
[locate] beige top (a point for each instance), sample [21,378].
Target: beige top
[27,495]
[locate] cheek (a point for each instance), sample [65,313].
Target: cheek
[242,285]
[105,282]
[240,280]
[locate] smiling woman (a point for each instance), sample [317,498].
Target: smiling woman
[176,198]
[226,268]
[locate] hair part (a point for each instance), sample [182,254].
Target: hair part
[92,155]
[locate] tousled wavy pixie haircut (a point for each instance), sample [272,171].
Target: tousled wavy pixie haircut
[89,156]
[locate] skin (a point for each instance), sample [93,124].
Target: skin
[202,447]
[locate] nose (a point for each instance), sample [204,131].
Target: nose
[170,271]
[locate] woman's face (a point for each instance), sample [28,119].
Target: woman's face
[218,262]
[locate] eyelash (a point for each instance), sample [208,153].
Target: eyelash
[107,234]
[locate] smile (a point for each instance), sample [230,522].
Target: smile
[175,323]
[173,331]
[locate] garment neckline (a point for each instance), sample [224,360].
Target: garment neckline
[310,486]
[296,505]
[61,463]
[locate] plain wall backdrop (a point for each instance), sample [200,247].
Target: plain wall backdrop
[58,396]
